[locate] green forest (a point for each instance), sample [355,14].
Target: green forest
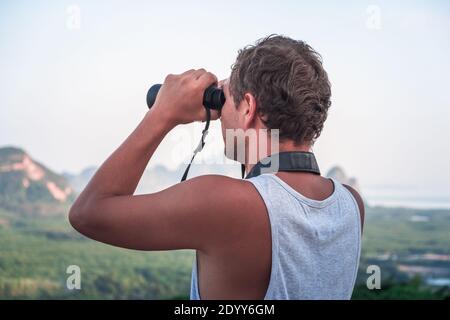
[35,252]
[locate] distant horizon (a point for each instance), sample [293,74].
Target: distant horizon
[183,165]
[390,196]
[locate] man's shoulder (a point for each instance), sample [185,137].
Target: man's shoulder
[231,196]
[228,205]
[223,187]
[209,179]
[359,201]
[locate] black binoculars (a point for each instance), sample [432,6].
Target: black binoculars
[213,97]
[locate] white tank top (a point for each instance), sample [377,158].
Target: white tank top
[315,244]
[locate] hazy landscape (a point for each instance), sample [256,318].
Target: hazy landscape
[411,246]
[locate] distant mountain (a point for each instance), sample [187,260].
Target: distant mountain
[79,181]
[157,177]
[29,187]
[339,174]
[152,180]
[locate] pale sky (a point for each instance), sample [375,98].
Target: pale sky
[73,86]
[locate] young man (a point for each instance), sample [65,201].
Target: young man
[280,235]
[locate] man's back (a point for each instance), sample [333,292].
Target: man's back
[301,243]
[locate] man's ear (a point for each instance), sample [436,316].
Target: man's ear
[249,110]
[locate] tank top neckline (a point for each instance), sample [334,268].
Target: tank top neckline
[311,202]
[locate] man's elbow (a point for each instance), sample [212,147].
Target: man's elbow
[81,216]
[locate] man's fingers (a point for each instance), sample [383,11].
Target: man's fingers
[207,79]
[200,74]
[188,72]
[204,79]
[197,73]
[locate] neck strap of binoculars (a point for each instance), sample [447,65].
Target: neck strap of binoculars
[201,144]
[299,161]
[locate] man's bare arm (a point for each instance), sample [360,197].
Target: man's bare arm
[108,211]
[194,214]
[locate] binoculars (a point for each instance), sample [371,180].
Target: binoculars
[213,97]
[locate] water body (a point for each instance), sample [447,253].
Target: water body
[438,282]
[419,198]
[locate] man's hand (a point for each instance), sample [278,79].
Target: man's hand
[180,99]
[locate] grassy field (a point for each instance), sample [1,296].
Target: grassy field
[396,230]
[36,251]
